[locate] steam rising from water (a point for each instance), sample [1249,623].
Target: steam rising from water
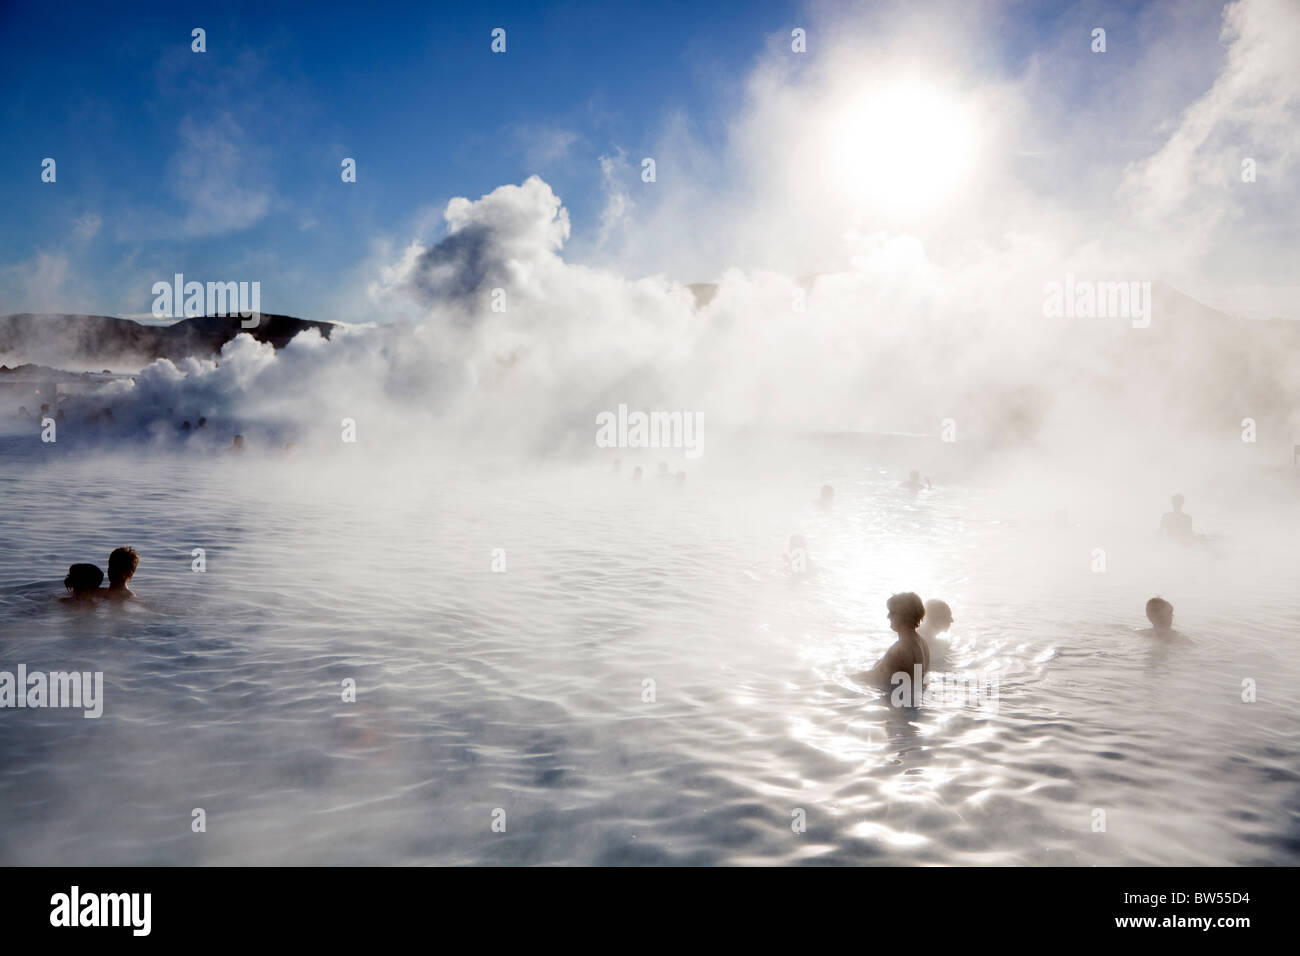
[897,344]
[848,368]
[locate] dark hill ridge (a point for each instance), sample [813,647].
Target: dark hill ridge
[43,373]
[103,338]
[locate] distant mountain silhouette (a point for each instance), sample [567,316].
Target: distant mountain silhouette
[43,373]
[61,338]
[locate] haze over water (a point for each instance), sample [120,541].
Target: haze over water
[523,690]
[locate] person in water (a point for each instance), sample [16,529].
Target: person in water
[797,559]
[939,618]
[1161,615]
[121,568]
[827,498]
[913,482]
[908,655]
[83,581]
[1177,523]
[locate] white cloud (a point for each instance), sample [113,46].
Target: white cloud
[545,145]
[1192,184]
[43,283]
[87,227]
[615,173]
[216,176]
[503,239]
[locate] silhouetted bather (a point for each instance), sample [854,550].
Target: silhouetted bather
[1177,523]
[83,581]
[908,655]
[797,558]
[121,568]
[913,482]
[827,498]
[937,620]
[1161,615]
[237,444]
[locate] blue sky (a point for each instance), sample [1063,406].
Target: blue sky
[225,165]
[411,91]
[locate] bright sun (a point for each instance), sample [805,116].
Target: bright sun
[902,148]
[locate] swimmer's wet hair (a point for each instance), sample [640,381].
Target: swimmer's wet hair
[83,577]
[1158,605]
[122,564]
[908,605]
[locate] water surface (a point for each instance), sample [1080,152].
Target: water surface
[526,691]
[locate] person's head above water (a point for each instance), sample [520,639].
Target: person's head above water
[827,494]
[121,566]
[938,615]
[796,556]
[1177,502]
[83,580]
[1160,613]
[905,611]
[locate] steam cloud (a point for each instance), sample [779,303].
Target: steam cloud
[912,326]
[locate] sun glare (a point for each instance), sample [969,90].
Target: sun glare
[904,147]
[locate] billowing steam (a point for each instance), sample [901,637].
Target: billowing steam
[937,325]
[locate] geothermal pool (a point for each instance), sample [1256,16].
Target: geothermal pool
[522,696]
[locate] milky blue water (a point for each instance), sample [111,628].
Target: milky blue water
[645,682]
